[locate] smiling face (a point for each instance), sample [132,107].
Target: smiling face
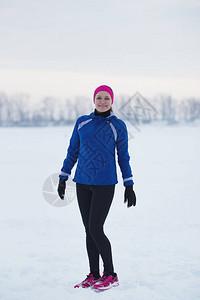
[103,101]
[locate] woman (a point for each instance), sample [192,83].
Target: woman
[94,140]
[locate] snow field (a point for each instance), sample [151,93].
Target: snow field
[156,247]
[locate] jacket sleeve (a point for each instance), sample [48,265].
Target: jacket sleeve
[123,155]
[72,154]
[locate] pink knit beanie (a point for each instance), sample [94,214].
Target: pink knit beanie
[105,88]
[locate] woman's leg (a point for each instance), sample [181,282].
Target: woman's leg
[102,196]
[84,196]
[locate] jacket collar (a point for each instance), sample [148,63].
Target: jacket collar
[112,116]
[103,114]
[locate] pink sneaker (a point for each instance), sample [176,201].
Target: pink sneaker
[89,281]
[106,282]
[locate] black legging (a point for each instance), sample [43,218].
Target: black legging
[94,202]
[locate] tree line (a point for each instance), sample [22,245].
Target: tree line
[20,110]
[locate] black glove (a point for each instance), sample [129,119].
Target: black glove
[61,188]
[129,195]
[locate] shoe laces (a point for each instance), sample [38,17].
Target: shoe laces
[88,277]
[104,277]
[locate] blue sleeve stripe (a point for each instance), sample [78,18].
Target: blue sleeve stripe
[83,123]
[126,179]
[64,174]
[114,131]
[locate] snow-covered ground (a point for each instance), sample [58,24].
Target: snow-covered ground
[156,245]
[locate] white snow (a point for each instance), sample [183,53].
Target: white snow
[156,246]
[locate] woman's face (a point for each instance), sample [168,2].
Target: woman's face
[103,101]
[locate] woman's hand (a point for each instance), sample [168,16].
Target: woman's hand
[129,195]
[61,188]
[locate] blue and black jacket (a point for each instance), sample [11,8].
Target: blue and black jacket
[94,143]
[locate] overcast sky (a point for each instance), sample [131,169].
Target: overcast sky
[69,47]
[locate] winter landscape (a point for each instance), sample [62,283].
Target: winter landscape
[53,56]
[156,245]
